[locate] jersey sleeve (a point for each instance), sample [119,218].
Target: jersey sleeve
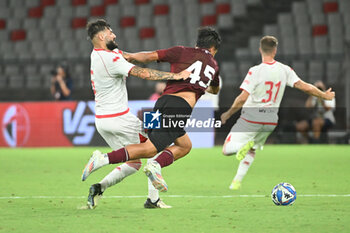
[248,83]
[117,65]
[169,55]
[292,77]
[330,103]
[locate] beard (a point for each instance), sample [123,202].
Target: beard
[111,45]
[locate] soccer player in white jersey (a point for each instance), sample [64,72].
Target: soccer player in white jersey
[113,121]
[262,92]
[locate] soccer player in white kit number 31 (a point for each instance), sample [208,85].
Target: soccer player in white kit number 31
[113,121]
[262,92]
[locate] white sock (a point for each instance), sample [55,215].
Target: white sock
[244,166]
[118,174]
[153,193]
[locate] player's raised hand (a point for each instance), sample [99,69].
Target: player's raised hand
[329,94]
[182,75]
[224,117]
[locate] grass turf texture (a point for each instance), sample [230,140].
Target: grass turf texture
[203,177]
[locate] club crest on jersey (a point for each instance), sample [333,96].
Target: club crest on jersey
[151,120]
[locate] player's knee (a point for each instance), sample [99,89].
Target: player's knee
[301,126]
[187,147]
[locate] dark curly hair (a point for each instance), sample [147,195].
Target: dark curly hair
[208,37]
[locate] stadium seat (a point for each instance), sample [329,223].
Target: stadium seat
[140,2]
[224,21]
[207,9]
[128,21]
[209,20]
[93,3]
[223,8]
[329,7]
[2,24]
[316,71]
[50,12]
[320,46]
[318,19]
[238,8]
[97,11]
[271,30]
[35,12]
[334,72]
[109,2]
[319,30]
[300,68]
[161,9]
[17,35]
[82,11]
[244,68]
[145,33]
[45,3]
[128,10]
[79,23]
[254,45]
[160,21]
[78,2]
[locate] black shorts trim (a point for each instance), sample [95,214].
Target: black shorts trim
[174,109]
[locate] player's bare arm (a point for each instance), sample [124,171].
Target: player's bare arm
[236,106]
[213,90]
[141,57]
[150,74]
[312,90]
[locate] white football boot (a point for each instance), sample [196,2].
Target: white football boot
[153,171]
[96,161]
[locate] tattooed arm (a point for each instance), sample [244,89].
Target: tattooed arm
[141,57]
[151,74]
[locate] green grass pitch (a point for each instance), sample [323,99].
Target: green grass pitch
[41,191]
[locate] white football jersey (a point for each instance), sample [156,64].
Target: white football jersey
[108,79]
[266,84]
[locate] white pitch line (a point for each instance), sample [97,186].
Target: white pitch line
[172,196]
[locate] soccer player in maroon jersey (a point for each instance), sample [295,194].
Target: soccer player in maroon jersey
[178,99]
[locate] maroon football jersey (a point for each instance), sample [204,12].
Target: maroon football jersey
[204,68]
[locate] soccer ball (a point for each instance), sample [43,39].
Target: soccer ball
[283,194]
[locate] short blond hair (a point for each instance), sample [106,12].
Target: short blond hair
[268,44]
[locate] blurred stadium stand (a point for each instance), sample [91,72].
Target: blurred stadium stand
[37,34]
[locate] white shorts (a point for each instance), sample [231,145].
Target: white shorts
[243,132]
[120,131]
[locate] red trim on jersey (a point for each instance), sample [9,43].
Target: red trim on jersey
[130,70]
[244,90]
[110,51]
[113,115]
[258,122]
[270,63]
[142,138]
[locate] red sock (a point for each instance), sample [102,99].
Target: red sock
[118,156]
[165,158]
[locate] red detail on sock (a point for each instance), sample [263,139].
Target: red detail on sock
[118,156]
[251,153]
[118,168]
[229,138]
[137,165]
[142,138]
[246,162]
[165,158]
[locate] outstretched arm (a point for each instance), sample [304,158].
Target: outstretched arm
[312,90]
[141,57]
[236,106]
[150,74]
